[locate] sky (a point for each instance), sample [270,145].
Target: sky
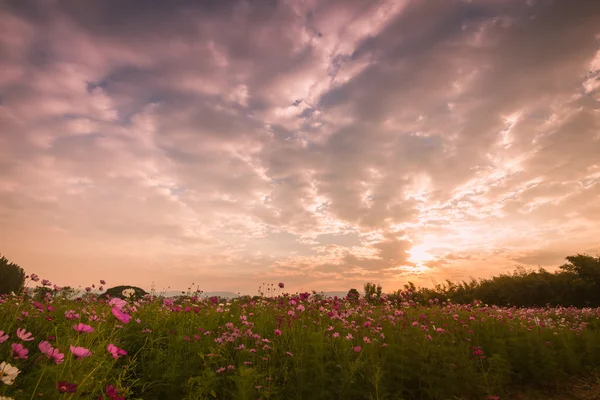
[322,144]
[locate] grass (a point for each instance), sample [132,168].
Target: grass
[298,346]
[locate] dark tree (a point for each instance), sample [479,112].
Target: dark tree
[576,283]
[353,294]
[12,277]
[117,291]
[372,291]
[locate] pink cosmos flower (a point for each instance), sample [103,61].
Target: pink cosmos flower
[120,315]
[52,353]
[277,332]
[24,336]
[35,278]
[357,349]
[71,314]
[83,328]
[66,387]
[80,352]
[45,347]
[117,302]
[281,285]
[57,356]
[18,351]
[113,393]
[3,337]
[102,282]
[115,351]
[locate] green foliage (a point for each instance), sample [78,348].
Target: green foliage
[12,277]
[576,283]
[373,291]
[353,295]
[41,292]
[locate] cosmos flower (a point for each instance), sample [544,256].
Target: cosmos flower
[83,328]
[8,373]
[80,352]
[66,387]
[24,335]
[18,351]
[120,315]
[115,351]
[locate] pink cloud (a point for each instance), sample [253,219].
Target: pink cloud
[162,144]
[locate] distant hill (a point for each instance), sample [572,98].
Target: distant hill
[333,294]
[173,293]
[232,295]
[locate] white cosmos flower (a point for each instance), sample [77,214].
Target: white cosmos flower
[8,373]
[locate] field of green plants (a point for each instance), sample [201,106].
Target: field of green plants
[285,346]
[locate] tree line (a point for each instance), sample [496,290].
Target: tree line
[575,283]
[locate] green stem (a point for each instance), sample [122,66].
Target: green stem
[37,384]
[91,372]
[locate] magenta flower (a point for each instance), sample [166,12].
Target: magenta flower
[3,337]
[35,278]
[24,336]
[281,285]
[120,315]
[44,347]
[357,349]
[80,352]
[18,351]
[115,351]
[113,393]
[46,282]
[117,302]
[277,332]
[57,356]
[52,353]
[71,314]
[66,387]
[83,328]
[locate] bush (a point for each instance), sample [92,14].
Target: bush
[12,277]
[124,292]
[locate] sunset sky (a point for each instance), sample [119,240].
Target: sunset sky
[321,144]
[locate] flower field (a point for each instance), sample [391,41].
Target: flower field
[286,346]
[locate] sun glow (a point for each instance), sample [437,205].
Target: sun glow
[419,254]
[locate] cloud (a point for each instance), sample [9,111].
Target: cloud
[326,143]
